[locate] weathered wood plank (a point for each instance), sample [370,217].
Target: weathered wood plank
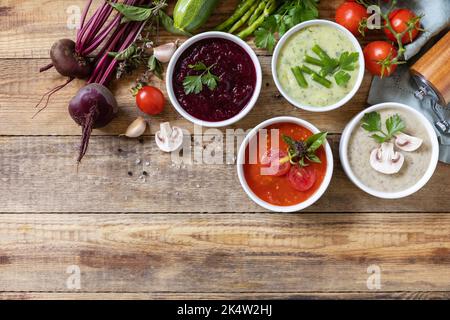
[39,174]
[411,295]
[19,93]
[224,253]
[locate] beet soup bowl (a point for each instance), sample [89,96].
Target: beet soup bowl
[234,70]
[295,184]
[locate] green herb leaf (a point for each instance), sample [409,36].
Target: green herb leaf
[371,121]
[394,124]
[125,54]
[315,141]
[193,84]
[210,80]
[289,14]
[347,60]
[289,141]
[168,24]
[132,13]
[378,138]
[342,78]
[155,66]
[199,66]
[313,158]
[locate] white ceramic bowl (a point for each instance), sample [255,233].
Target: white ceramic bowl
[241,159]
[343,151]
[186,45]
[304,25]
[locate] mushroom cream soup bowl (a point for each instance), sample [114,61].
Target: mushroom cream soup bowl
[427,153]
[171,74]
[357,75]
[241,160]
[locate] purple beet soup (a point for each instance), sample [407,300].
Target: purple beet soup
[234,67]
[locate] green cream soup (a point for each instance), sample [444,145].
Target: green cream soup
[292,54]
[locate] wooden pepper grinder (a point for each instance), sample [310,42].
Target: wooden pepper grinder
[432,76]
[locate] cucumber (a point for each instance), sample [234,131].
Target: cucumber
[189,15]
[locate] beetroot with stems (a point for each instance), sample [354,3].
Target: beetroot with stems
[71,59]
[68,62]
[94,106]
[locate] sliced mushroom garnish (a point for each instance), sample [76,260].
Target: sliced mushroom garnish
[407,143]
[385,160]
[169,139]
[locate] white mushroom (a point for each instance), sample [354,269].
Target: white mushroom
[165,52]
[169,139]
[407,143]
[385,160]
[136,129]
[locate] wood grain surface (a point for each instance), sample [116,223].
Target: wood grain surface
[141,227]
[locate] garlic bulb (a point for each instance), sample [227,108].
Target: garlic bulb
[136,129]
[165,52]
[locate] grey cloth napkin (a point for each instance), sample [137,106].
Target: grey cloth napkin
[400,87]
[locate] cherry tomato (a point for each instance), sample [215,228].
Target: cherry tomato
[350,15]
[150,100]
[400,19]
[302,178]
[378,56]
[272,159]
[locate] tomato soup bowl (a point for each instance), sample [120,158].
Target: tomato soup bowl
[241,158]
[172,68]
[347,35]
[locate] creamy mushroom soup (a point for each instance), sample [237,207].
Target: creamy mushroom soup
[361,145]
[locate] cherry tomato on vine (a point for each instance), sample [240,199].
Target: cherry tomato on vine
[276,162]
[350,15]
[401,20]
[378,56]
[302,178]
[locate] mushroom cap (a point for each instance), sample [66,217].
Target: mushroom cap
[169,139]
[407,143]
[385,160]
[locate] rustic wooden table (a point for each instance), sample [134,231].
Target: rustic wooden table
[186,232]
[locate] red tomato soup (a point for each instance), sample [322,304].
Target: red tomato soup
[277,190]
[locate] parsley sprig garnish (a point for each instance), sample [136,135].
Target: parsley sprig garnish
[300,151]
[194,84]
[371,122]
[289,14]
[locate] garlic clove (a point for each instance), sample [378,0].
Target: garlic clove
[136,129]
[164,53]
[169,139]
[407,143]
[385,160]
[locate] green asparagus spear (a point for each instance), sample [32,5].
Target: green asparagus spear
[326,83]
[321,53]
[243,7]
[307,70]
[299,77]
[270,8]
[244,18]
[314,61]
[257,12]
